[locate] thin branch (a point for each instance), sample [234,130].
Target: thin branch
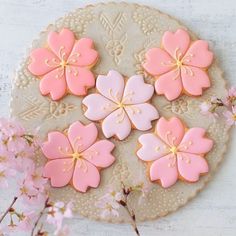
[40,216]
[8,209]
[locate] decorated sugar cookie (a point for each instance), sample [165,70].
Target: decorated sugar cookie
[174,152]
[63,65]
[76,157]
[121,105]
[180,65]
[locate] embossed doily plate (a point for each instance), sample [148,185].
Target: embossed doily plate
[122,34]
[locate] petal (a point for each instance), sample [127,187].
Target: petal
[194,80]
[42,61]
[141,115]
[85,175]
[98,107]
[137,91]
[79,79]
[169,84]
[57,146]
[158,61]
[99,154]
[165,170]
[195,142]
[111,85]
[61,43]
[83,53]
[152,147]
[82,136]
[198,55]
[117,123]
[176,44]
[53,83]
[59,171]
[190,166]
[170,131]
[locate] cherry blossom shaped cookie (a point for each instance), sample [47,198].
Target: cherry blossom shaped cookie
[174,153]
[121,105]
[63,65]
[180,65]
[76,157]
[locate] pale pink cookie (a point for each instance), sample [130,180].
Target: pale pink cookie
[180,65]
[64,65]
[174,153]
[76,157]
[121,105]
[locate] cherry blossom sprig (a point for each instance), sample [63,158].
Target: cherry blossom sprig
[112,201]
[221,107]
[17,153]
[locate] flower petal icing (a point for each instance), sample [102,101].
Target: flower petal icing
[157,61]
[198,55]
[176,43]
[85,175]
[170,131]
[137,91]
[152,147]
[169,84]
[56,172]
[190,166]
[98,107]
[116,124]
[111,85]
[83,53]
[57,146]
[142,115]
[61,43]
[54,84]
[99,154]
[82,136]
[195,142]
[79,79]
[194,80]
[163,170]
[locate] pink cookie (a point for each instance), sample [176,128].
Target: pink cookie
[174,152]
[63,66]
[76,157]
[121,105]
[180,65]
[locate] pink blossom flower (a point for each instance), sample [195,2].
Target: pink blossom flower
[58,212]
[121,105]
[230,116]
[179,65]
[27,220]
[64,64]
[5,174]
[175,152]
[36,176]
[230,97]
[76,156]
[206,108]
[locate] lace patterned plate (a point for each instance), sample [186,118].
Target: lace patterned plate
[122,33]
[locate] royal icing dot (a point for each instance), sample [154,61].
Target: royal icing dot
[63,66]
[180,65]
[184,156]
[78,163]
[121,105]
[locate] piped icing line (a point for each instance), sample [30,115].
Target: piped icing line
[76,157]
[173,152]
[180,66]
[64,65]
[121,104]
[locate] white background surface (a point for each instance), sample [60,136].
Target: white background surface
[213,212]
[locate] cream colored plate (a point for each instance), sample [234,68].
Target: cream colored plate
[122,33]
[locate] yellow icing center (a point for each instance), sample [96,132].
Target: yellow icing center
[179,63]
[63,63]
[174,149]
[76,156]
